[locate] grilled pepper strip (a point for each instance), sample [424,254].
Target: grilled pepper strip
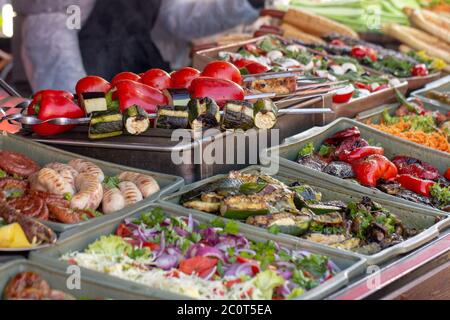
[130,93]
[52,107]
[360,153]
[416,168]
[416,185]
[343,135]
[373,168]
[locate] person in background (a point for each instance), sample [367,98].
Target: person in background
[117,35]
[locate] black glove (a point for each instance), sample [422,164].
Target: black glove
[257,4]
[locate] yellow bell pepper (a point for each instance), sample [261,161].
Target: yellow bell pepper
[13,237]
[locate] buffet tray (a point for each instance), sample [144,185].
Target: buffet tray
[154,149]
[350,264]
[349,109]
[415,83]
[90,288]
[374,115]
[44,154]
[411,217]
[441,85]
[286,155]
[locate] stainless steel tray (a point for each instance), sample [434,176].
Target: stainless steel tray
[44,154]
[57,278]
[374,115]
[441,85]
[286,155]
[411,217]
[350,264]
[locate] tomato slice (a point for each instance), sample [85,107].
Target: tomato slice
[231,283]
[123,231]
[199,265]
[152,246]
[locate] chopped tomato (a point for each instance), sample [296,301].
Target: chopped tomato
[199,265]
[152,246]
[372,54]
[231,283]
[123,231]
[173,274]
[255,265]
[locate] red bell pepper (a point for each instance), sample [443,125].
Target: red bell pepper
[256,68]
[447,174]
[360,153]
[242,63]
[342,135]
[220,90]
[130,93]
[125,76]
[92,84]
[52,107]
[373,168]
[182,79]
[416,185]
[157,78]
[33,108]
[416,168]
[222,70]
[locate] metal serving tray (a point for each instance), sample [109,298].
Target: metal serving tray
[57,278]
[374,115]
[286,155]
[44,154]
[350,264]
[413,218]
[441,85]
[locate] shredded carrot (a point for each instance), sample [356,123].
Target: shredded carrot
[436,140]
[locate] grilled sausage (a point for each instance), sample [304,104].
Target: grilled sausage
[16,163]
[113,200]
[130,192]
[90,193]
[67,172]
[146,184]
[48,180]
[83,166]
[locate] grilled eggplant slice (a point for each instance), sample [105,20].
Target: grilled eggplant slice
[210,207]
[349,244]
[242,207]
[172,117]
[286,222]
[265,114]
[326,239]
[238,115]
[323,209]
[204,113]
[305,194]
[340,169]
[136,120]
[105,124]
[333,218]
